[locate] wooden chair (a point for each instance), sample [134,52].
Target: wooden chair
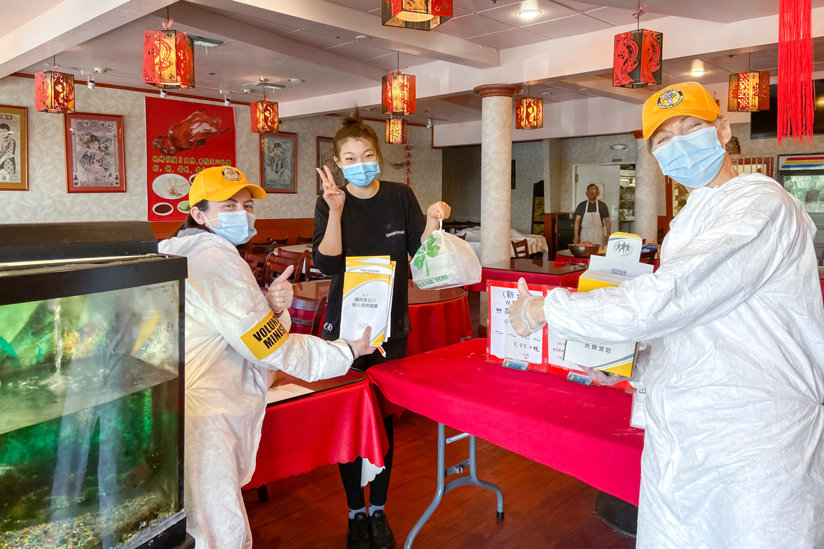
[278,241]
[308,265]
[255,255]
[521,249]
[307,315]
[304,240]
[278,261]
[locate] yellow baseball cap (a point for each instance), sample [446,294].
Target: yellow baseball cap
[684,99]
[220,183]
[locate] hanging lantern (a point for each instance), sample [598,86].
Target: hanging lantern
[264,116]
[749,91]
[415,14]
[168,59]
[396,131]
[398,93]
[529,113]
[637,59]
[53,92]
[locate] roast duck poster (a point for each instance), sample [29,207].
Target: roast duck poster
[183,138]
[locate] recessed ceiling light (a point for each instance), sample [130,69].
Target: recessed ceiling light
[529,13]
[697,68]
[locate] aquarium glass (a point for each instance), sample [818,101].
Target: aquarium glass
[89,418]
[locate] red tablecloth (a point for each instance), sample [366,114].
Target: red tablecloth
[578,430]
[333,426]
[568,280]
[438,324]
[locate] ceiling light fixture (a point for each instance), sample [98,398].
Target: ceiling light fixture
[163,94]
[168,59]
[697,68]
[53,91]
[637,56]
[415,14]
[428,122]
[265,113]
[529,112]
[529,10]
[90,82]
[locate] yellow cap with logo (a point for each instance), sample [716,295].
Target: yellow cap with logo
[684,99]
[220,183]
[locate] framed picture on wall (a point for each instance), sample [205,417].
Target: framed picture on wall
[278,162]
[95,160]
[326,157]
[14,148]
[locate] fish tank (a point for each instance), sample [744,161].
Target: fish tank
[91,389]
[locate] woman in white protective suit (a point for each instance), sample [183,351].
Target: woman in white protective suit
[234,336]
[734,445]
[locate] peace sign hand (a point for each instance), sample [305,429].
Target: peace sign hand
[333,196]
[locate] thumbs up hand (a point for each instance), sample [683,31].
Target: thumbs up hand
[527,313]
[280,291]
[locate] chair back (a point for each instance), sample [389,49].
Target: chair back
[278,261]
[255,255]
[307,315]
[304,239]
[521,248]
[278,241]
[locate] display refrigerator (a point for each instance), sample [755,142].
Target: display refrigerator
[803,177]
[91,388]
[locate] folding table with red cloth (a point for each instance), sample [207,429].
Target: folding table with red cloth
[534,271]
[338,422]
[578,430]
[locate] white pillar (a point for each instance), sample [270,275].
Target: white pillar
[496,169]
[648,177]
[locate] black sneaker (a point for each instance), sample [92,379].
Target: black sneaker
[382,536]
[358,535]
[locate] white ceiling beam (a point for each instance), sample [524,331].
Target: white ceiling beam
[66,25]
[432,45]
[205,20]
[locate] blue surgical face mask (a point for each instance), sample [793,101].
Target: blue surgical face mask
[236,227]
[693,159]
[362,173]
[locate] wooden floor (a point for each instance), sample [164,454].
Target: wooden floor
[543,508]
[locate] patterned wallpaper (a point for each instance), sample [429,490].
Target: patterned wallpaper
[47,199]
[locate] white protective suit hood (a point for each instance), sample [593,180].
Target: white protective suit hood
[231,343]
[733,454]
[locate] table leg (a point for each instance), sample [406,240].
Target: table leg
[443,489]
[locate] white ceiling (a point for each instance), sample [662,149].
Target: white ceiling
[329,55]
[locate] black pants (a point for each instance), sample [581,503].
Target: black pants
[350,473]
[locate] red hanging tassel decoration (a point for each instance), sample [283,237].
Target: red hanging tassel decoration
[795,60]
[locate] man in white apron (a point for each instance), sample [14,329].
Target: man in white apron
[591,218]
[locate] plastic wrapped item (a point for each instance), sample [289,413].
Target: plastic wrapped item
[445,261]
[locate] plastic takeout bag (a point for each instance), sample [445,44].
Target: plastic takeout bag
[444,261]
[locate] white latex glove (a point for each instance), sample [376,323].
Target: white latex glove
[280,292]
[361,347]
[527,313]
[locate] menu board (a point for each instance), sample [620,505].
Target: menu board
[182,138]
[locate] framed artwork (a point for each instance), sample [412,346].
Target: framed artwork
[278,162]
[14,148]
[95,160]
[326,156]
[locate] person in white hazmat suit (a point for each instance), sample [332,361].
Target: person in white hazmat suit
[235,335]
[734,444]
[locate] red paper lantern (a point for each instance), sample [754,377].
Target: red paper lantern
[749,91]
[398,93]
[264,116]
[529,113]
[53,92]
[415,14]
[637,59]
[168,59]
[396,131]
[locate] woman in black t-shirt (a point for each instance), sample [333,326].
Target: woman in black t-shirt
[368,217]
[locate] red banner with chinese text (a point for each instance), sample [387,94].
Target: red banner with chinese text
[183,138]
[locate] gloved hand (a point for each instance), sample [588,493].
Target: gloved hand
[601,377]
[527,313]
[280,292]
[361,346]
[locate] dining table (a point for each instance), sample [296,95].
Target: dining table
[437,317]
[534,271]
[310,424]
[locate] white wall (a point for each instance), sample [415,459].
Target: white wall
[47,199]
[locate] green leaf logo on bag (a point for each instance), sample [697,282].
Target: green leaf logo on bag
[427,249]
